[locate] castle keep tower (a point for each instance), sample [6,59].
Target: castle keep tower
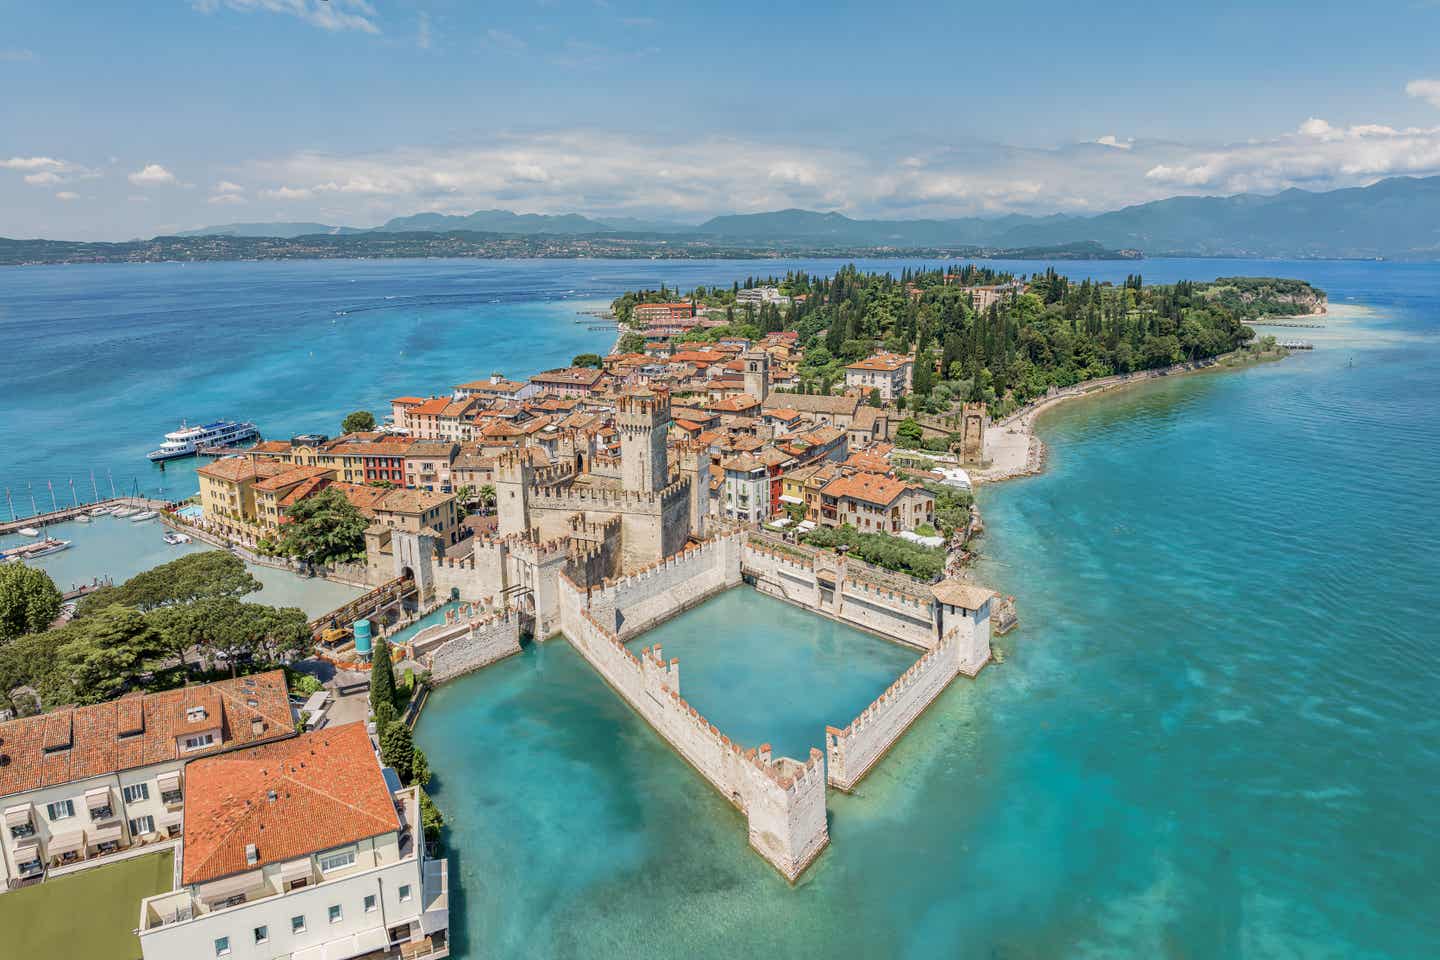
[513,476]
[757,373]
[643,417]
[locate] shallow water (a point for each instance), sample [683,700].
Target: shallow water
[1214,735]
[764,671]
[118,548]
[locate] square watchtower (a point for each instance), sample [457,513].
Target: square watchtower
[643,418]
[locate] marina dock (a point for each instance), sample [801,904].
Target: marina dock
[14,524]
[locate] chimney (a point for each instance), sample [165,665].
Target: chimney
[252,854]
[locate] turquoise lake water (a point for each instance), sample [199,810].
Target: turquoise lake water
[119,548]
[1215,734]
[764,671]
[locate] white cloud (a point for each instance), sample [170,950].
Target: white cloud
[67,195]
[1318,155]
[33,163]
[227,193]
[287,193]
[1427,90]
[225,186]
[1110,140]
[332,15]
[43,179]
[152,174]
[15,55]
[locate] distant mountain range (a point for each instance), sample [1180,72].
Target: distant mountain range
[1398,218]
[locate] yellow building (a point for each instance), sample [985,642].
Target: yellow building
[227,489]
[273,495]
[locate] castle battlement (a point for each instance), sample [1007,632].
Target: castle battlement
[581,499]
[691,552]
[928,661]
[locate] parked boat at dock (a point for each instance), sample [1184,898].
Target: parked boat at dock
[144,515]
[174,539]
[102,511]
[124,512]
[188,440]
[40,548]
[29,532]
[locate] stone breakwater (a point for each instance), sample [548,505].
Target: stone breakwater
[467,642]
[783,799]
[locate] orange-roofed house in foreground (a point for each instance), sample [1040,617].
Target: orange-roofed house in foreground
[303,848]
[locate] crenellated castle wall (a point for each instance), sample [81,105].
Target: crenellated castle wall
[451,649]
[661,590]
[897,609]
[783,799]
[851,752]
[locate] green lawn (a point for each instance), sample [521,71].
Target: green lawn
[91,914]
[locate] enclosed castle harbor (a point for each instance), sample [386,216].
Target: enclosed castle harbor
[599,553]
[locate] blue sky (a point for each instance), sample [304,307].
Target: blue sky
[121,120]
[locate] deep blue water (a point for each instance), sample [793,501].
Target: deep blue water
[1215,734]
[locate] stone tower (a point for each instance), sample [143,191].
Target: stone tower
[972,436]
[694,462]
[513,476]
[757,373]
[643,417]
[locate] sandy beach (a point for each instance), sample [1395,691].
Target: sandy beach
[1013,450]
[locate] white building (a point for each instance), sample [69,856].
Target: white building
[747,489]
[888,373]
[84,783]
[304,849]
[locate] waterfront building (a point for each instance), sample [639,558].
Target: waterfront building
[227,487]
[890,373]
[275,495]
[306,849]
[496,388]
[836,411]
[82,784]
[652,312]
[571,381]
[875,503]
[747,489]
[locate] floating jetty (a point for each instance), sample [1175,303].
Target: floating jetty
[1296,344]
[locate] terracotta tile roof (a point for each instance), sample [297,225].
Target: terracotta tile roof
[782,414]
[501,386]
[744,463]
[814,403]
[239,469]
[411,501]
[432,448]
[735,404]
[271,446]
[570,376]
[307,488]
[408,401]
[327,789]
[364,498]
[885,362]
[960,593]
[77,743]
[291,477]
[869,488]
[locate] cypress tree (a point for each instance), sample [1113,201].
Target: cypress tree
[397,749]
[382,676]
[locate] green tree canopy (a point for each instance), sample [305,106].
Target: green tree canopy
[382,674]
[106,653]
[325,528]
[588,360]
[397,749]
[29,600]
[195,576]
[360,421]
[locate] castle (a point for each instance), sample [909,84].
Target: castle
[595,524]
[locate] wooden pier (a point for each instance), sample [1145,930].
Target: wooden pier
[70,513]
[1296,344]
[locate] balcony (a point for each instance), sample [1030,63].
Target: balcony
[172,799]
[22,830]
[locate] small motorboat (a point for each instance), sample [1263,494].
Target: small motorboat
[124,512]
[101,511]
[28,532]
[144,515]
[48,546]
[83,518]
[173,538]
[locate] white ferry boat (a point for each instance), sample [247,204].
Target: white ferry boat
[188,440]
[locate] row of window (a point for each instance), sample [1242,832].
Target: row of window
[298,924]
